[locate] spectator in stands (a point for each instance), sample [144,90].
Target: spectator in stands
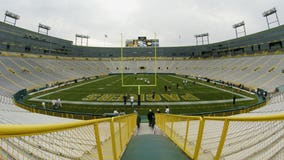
[150,117]
[167,111]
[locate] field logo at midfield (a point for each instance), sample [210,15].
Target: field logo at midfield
[173,97]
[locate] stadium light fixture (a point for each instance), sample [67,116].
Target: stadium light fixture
[11,15]
[202,38]
[268,13]
[43,27]
[237,25]
[81,37]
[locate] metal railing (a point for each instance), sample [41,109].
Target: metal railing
[91,139]
[209,137]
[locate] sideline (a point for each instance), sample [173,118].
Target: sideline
[145,103]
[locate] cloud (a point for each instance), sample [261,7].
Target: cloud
[175,22]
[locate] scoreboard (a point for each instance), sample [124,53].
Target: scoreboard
[142,42]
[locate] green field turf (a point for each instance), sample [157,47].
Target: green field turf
[109,89]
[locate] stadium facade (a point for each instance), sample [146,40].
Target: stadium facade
[15,39]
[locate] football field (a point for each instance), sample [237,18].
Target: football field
[108,93]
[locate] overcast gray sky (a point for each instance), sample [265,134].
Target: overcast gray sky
[175,21]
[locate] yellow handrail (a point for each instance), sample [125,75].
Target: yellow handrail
[170,125]
[11,130]
[271,117]
[110,132]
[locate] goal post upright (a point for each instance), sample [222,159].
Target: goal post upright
[122,68]
[121,59]
[155,58]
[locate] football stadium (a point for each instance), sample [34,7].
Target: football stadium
[140,99]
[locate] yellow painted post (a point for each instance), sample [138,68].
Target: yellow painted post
[129,126]
[120,137]
[186,135]
[164,122]
[121,59]
[113,139]
[222,139]
[98,141]
[172,127]
[155,63]
[199,138]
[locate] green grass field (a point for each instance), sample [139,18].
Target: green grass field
[105,94]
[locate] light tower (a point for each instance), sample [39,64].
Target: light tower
[202,38]
[268,13]
[81,37]
[11,15]
[237,25]
[43,27]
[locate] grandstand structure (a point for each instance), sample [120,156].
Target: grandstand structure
[17,39]
[30,60]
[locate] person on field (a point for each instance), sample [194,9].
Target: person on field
[124,99]
[167,111]
[138,120]
[122,113]
[153,94]
[59,104]
[132,101]
[158,110]
[151,117]
[115,112]
[43,105]
[53,102]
